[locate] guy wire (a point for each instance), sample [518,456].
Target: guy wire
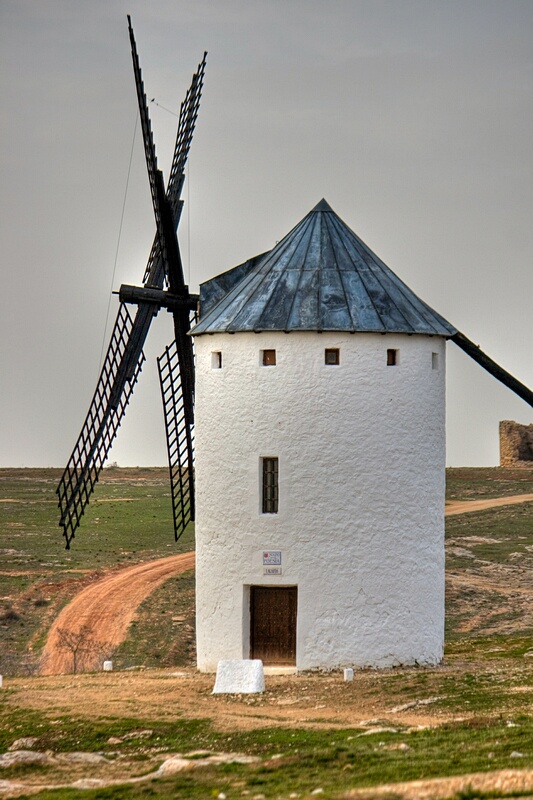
[189,222]
[118,242]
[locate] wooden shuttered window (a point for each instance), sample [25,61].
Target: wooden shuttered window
[270,485]
[332,356]
[269,358]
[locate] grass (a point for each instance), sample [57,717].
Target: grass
[489,563]
[476,483]
[493,648]
[39,576]
[487,679]
[149,644]
[128,519]
[501,535]
[291,760]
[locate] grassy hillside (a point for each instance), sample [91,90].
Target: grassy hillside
[307,733]
[128,520]
[475,483]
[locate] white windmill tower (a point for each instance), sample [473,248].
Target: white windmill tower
[320,455]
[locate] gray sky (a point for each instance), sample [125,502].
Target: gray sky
[413,118]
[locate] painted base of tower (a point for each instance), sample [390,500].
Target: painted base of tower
[378,635]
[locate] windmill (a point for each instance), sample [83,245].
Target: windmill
[163,287]
[320,385]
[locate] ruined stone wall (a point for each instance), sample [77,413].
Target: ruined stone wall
[516,444]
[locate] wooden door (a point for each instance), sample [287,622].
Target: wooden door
[273,624]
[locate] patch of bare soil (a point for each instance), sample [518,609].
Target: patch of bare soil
[106,608]
[95,771]
[313,700]
[487,609]
[505,781]
[486,597]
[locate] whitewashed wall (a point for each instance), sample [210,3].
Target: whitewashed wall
[361,450]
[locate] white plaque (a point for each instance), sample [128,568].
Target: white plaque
[271,570]
[271,558]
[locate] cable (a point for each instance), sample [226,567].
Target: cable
[154,101]
[189,222]
[118,244]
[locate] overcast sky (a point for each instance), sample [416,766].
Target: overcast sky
[413,118]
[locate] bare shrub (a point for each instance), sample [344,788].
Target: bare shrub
[86,650]
[16,664]
[9,615]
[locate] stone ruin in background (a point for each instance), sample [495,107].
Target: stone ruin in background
[516,444]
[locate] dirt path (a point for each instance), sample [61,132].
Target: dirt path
[465,506]
[514,782]
[313,701]
[108,606]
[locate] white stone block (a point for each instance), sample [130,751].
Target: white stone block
[108,666]
[239,676]
[348,674]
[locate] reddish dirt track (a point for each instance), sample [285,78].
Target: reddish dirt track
[108,607]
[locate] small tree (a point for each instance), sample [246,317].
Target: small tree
[82,645]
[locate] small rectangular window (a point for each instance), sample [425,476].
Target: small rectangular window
[270,485]
[434,360]
[392,358]
[269,358]
[216,359]
[332,356]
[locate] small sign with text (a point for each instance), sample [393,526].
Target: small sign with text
[271,570]
[271,558]
[271,562]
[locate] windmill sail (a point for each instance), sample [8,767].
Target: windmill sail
[166,230]
[492,367]
[180,439]
[187,121]
[125,357]
[105,414]
[179,371]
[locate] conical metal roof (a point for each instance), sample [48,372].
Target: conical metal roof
[320,277]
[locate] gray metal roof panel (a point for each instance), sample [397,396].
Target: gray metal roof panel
[319,277]
[214,290]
